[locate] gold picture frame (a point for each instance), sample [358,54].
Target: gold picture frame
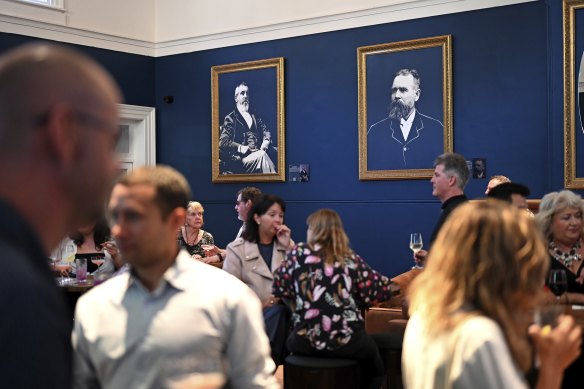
[248,146]
[571,180]
[431,130]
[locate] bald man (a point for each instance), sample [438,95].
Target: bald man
[58,130]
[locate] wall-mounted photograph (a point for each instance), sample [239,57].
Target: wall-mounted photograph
[405,107]
[573,94]
[248,121]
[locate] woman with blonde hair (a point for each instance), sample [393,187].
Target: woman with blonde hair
[327,286]
[560,220]
[193,238]
[472,306]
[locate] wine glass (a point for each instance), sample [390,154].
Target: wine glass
[416,245]
[558,282]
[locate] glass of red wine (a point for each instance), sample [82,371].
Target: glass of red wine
[558,282]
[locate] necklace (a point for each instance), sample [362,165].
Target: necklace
[190,241]
[566,258]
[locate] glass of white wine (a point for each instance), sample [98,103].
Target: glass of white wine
[416,245]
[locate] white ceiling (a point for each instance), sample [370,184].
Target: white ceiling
[166,27]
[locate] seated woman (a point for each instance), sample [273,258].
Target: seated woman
[193,238]
[328,285]
[92,238]
[256,255]
[560,220]
[472,305]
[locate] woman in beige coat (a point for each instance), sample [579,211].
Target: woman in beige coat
[253,257]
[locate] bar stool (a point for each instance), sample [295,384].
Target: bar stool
[302,372]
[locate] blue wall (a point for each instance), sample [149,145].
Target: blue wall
[500,106]
[134,73]
[507,106]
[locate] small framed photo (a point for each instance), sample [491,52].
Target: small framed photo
[405,107]
[479,168]
[248,121]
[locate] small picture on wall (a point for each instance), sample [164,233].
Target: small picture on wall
[405,107]
[248,121]
[299,173]
[479,168]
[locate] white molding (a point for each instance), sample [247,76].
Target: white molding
[414,9]
[37,29]
[147,116]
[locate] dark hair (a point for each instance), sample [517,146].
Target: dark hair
[260,207]
[505,190]
[101,234]
[172,189]
[249,193]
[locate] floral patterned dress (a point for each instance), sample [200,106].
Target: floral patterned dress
[195,248]
[327,299]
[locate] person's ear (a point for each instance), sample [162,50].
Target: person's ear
[177,218]
[452,180]
[417,94]
[248,205]
[257,218]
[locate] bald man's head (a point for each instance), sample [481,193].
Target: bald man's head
[37,77]
[59,119]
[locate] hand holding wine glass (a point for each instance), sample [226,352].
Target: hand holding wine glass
[416,245]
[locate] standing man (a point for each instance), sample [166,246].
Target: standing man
[245,143]
[406,138]
[448,182]
[58,130]
[169,319]
[245,199]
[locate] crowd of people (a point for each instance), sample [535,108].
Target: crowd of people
[171,319]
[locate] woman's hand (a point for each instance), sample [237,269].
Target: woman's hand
[283,235]
[197,257]
[211,259]
[557,348]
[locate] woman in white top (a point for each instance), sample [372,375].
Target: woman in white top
[472,306]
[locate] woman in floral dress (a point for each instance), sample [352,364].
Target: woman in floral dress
[327,285]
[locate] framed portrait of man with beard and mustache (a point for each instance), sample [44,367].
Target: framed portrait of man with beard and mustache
[248,121]
[405,108]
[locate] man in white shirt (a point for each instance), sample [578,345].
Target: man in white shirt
[169,319]
[406,138]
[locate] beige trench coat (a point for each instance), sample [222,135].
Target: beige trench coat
[243,260]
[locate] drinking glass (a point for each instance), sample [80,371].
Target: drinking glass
[81,269]
[558,283]
[416,245]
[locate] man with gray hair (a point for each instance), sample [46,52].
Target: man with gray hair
[58,131]
[406,138]
[448,182]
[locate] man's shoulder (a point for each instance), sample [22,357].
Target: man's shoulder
[428,120]
[381,124]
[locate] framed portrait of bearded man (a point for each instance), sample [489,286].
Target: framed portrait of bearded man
[405,107]
[248,121]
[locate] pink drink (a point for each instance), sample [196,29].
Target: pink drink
[98,262]
[81,271]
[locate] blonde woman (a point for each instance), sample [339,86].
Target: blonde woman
[328,285]
[472,306]
[192,237]
[560,219]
